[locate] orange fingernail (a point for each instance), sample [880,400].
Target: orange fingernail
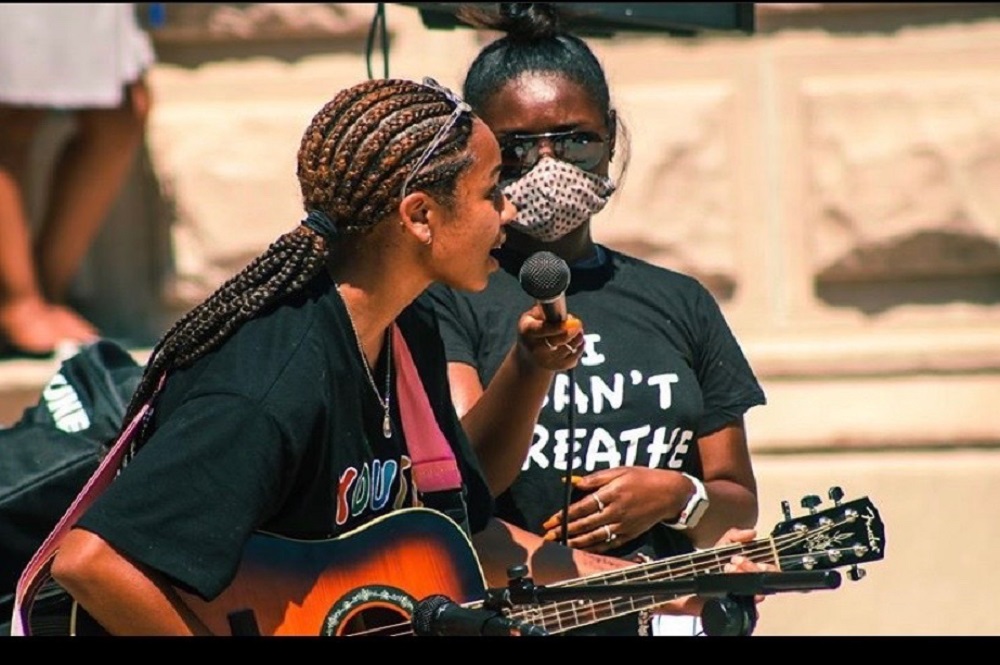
[575,480]
[572,323]
[549,535]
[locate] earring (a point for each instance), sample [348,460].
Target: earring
[429,239]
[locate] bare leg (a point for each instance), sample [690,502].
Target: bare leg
[24,315]
[87,180]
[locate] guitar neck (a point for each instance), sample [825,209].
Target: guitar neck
[563,615]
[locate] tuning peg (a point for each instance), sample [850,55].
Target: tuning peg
[856,573]
[786,510]
[836,494]
[810,502]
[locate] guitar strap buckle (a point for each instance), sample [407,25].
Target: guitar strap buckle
[452,504]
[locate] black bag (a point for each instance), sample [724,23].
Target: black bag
[47,456]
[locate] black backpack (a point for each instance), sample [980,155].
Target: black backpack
[47,456]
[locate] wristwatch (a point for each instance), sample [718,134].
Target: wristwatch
[695,508]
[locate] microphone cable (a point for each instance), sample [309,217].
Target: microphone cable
[570,440]
[378,24]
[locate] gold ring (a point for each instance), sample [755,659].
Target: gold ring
[600,504]
[610,536]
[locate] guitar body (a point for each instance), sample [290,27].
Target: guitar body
[363,582]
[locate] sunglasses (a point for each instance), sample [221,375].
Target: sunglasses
[520,152]
[460,108]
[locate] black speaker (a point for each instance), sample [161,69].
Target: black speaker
[604,19]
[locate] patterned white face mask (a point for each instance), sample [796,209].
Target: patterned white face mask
[555,198]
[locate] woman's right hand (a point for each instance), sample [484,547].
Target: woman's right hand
[549,345]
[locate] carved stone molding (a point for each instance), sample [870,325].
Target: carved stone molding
[866,17]
[262,21]
[191,34]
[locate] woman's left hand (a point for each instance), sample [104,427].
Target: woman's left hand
[693,605]
[619,505]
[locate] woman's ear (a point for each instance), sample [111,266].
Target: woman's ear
[415,212]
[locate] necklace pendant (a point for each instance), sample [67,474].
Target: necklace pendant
[387,426]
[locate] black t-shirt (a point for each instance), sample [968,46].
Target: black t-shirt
[661,369]
[278,430]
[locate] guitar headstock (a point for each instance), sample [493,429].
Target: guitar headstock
[845,535]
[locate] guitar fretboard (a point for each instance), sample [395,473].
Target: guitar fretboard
[561,615]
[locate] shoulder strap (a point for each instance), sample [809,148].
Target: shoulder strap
[434,466]
[36,573]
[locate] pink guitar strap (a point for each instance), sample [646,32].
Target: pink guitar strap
[36,573]
[434,466]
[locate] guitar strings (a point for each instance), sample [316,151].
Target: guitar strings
[558,612]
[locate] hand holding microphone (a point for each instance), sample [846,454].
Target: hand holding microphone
[553,337]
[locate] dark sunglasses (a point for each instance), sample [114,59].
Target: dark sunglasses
[520,152]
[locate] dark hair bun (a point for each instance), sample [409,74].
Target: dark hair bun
[526,21]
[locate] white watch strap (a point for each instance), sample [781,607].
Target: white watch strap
[695,508]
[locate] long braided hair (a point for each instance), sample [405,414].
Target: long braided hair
[352,162]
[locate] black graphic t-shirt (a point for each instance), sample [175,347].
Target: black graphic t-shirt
[661,369]
[278,430]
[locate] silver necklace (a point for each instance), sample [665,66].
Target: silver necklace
[386,420]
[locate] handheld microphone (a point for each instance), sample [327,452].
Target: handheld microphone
[440,616]
[545,277]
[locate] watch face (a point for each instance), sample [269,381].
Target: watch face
[695,508]
[697,512]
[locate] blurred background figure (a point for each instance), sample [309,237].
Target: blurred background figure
[87,59]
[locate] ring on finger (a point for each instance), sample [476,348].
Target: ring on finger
[549,344]
[600,504]
[609,536]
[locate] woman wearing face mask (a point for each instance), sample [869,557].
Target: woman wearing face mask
[660,457]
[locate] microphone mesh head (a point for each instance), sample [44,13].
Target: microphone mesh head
[424,611]
[544,276]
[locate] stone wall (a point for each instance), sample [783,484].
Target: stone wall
[833,179]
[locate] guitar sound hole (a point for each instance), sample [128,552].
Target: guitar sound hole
[377,622]
[374,609]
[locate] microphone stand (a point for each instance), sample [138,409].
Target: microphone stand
[726,593]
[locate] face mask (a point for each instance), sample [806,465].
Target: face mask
[555,198]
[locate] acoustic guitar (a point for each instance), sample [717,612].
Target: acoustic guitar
[368,582]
